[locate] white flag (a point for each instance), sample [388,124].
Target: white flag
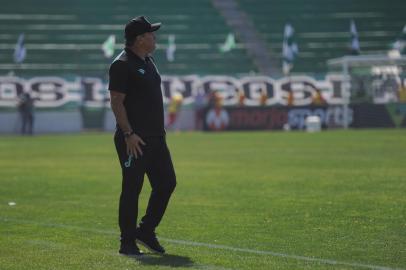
[108,46]
[170,50]
[400,43]
[398,47]
[289,49]
[19,50]
[228,44]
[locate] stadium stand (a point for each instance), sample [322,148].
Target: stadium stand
[65,37]
[322,27]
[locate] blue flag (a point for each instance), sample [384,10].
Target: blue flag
[354,46]
[19,50]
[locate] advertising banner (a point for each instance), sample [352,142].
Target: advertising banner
[278,117]
[70,104]
[294,118]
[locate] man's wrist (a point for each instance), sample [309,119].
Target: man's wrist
[127,134]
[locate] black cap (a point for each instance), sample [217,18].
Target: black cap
[138,26]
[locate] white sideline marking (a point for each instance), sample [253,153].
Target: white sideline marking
[212,246]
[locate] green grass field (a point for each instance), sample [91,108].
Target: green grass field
[261,200]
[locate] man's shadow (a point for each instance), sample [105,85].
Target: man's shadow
[166,260]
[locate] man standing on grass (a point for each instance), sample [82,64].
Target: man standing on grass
[26,109]
[136,100]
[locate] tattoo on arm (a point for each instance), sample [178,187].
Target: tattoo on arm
[117,105]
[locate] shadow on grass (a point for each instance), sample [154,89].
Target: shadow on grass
[166,260]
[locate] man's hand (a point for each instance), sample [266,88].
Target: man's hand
[134,145]
[133,141]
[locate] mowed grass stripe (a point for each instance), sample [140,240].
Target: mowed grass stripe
[206,245]
[336,194]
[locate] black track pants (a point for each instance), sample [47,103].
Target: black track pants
[157,164]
